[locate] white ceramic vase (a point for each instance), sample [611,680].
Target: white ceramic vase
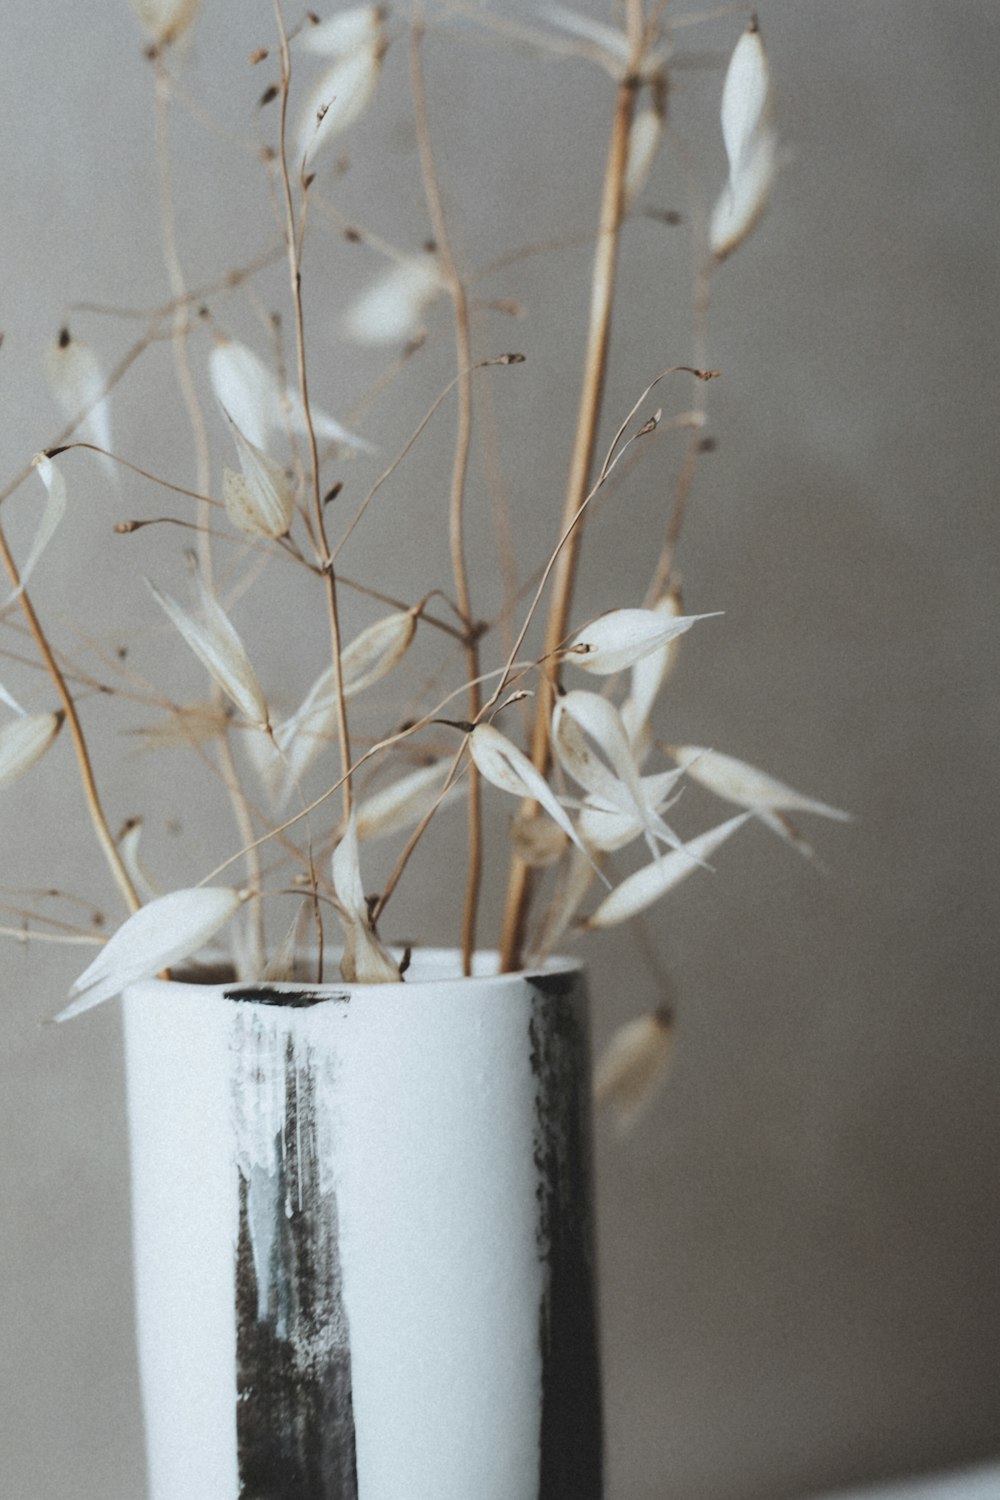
[363,1237]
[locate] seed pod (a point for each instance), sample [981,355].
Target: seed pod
[24,742]
[340,97]
[634,1066]
[751,145]
[249,393]
[55,509]
[653,881]
[404,802]
[364,960]
[77,381]
[391,310]
[219,649]
[260,500]
[162,933]
[503,765]
[623,637]
[736,781]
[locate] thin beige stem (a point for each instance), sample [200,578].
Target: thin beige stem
[318,521]
[521,880]
[96,811]
[459,477]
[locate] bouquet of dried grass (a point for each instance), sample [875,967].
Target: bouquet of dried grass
[580,759]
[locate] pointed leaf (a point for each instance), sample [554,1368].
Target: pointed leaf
[634,1066]
[219,649]
[503,765]
[248,390]
[644,142]
[343,32]
[339,98]
[736,781]
[23,743]
[78,383]
[648,677]
[619,639]
[391,310]
[259,501]
[55,509]
[403,802]
[745,96]
[162,933]
[647,885]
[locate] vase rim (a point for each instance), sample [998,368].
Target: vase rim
[428,966]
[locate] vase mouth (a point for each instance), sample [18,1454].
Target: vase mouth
[427,966]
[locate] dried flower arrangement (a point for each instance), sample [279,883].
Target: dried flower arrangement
[590,774]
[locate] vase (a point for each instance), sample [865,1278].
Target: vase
[363,1237]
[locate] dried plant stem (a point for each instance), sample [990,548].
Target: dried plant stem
[96,811]
[325,559]
[521,881]
[459,476]
[203,478]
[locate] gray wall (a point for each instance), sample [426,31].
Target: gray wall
[799,1243]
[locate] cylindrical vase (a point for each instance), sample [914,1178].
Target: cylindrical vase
[364,1237]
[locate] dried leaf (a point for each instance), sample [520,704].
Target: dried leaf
[286,965]
[503,765]
[55,509]
[751,145]
[77,381]
[343,32]
[340,97]
[391,310]
[644,142]
[364,960]
[653,881]
[620,787]
[403,802]
[165,20]
[219,649]
[736,781]
[23,743]
[260,500]
[623,637]
[186,725]
[605,827]
[648,677]
[634,1066]
[612,42]
[250,393]
[162,933]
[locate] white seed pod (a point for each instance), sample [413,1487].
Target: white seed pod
[644,143]
[217,646]
[503,765]
[391,310]
[260,500]
[604,826]
[750,142]
[340,97]
[376,650]
[647,679]
[736,781]
[77,381]
[165,20]
[162,933]
[647,885]
[634,1066]
[404,802]
[342,33]
[55,509]
[10,700]
[621,638]
[364,959]
[249,392]
[24,742]
[621,786]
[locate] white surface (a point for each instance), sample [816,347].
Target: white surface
[970,1484]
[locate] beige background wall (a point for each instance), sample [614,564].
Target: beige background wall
[799,1243]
